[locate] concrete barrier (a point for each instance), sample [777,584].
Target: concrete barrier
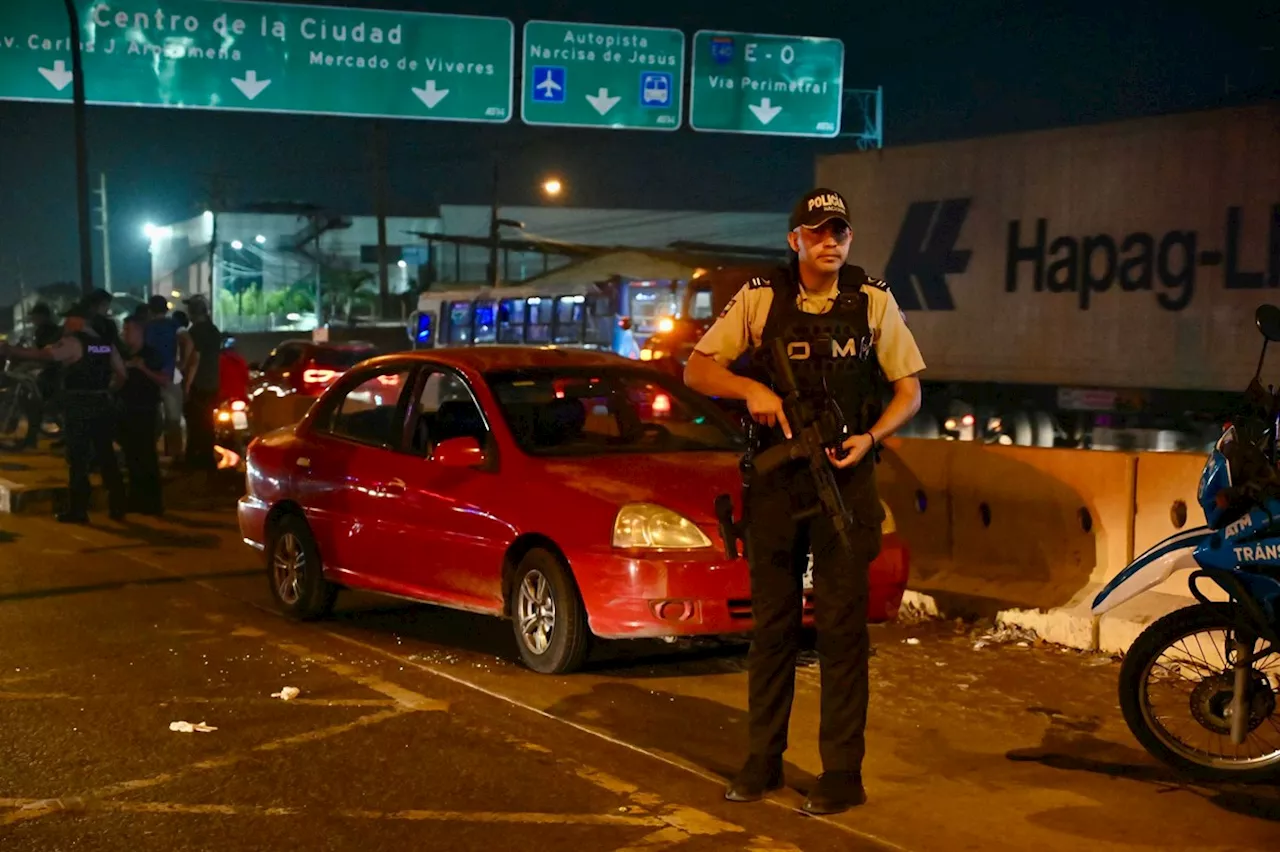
[1030,535]
[1166,504]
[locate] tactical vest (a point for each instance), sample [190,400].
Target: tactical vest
[832,353]
[93,371]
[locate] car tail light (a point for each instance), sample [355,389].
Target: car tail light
[388,380]
[315,380]
[661,404]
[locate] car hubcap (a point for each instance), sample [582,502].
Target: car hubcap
[287,567]
[537,612]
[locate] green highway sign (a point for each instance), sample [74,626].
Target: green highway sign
[592,75]
[268,57]
[766,84]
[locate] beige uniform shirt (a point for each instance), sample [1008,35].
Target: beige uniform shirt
[740,326]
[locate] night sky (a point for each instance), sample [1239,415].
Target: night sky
[950,69]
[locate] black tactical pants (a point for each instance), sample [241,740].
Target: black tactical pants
[142,460]
[199,411]
[90,432]
[777,547]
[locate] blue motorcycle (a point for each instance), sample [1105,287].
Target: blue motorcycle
[1213,669]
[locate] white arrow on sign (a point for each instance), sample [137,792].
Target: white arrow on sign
[602,102]
[765,111]
[431,95]
[250,86]
[58,76]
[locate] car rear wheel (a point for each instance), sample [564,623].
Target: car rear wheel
[549,619]
[295,572]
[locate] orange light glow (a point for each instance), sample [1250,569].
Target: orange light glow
[662,404]
[318,377]
[227,459]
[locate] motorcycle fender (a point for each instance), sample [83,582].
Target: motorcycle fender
[1175,553]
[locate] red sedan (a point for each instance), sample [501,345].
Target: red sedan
[572,492]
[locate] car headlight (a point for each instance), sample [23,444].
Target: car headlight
[648,525]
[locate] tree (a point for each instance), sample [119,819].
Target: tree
[346,291]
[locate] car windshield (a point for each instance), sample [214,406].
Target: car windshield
[608,410]
[341,359]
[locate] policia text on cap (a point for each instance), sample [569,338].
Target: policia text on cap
[847,338]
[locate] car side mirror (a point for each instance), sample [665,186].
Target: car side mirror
[459,452]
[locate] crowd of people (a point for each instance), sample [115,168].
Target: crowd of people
[151,387]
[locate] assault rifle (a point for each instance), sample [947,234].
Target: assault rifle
[816,425]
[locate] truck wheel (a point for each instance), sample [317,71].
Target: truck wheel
[295,572]
[547,615]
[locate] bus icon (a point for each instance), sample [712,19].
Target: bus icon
[655,89]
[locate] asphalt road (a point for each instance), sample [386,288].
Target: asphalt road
[414,725]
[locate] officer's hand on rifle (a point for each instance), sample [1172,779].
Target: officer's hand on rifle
[766,407]
[858,446]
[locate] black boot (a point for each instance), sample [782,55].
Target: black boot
[836,792]
[759,775]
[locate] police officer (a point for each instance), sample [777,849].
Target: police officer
[858,347]
[92,367]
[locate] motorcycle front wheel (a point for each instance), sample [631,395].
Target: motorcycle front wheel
[1176,685]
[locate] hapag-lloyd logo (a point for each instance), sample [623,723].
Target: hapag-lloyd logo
[925,253]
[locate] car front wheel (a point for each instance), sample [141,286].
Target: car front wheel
[547,614]
[296,573]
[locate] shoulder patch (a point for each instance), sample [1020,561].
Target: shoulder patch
[878,283]
[758,282]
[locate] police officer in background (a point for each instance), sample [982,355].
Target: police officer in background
[92,368]
[859,345]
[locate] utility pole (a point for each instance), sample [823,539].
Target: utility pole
[494,231]
[82,151]
[380,209]
[104,225]
[217,202]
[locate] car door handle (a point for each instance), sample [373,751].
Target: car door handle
[394,488]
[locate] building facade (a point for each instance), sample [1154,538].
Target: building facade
[269,270]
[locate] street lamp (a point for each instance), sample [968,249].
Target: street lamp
[551,187]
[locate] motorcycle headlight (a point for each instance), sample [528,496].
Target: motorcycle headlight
[647,525]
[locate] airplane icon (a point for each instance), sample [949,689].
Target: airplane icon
[550,84]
